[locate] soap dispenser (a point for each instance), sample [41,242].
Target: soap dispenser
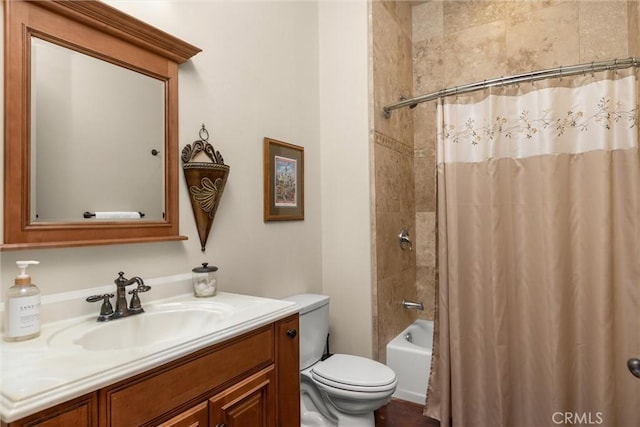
[22,307]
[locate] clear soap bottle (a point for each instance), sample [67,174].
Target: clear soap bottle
[22,307]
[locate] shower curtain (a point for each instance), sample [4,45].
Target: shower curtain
[538,306]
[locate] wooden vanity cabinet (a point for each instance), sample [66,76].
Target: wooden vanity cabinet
[79,412]
[251,380]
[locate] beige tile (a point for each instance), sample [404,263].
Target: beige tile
[428,65]
[426,289]
[633,19]
[400,12]
[544,38]
[394,318]
[375,323]
[391,259]
[520,11]
[392,71]
[385,291]
[392,144]
[427,20]
[404,17]
[603,30]
[425,128]
[381,355]
[425,239]
[387,163]
[425,183]
[475,54]
[394,179]
[462,15]
[405,289]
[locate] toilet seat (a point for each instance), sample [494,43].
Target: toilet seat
[354,373]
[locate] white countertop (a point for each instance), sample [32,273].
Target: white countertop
[43,372]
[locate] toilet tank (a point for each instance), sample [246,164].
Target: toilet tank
[314,326]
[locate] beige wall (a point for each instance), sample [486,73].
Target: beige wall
[258,75]
[346,216]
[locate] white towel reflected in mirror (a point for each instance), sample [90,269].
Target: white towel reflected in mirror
[118,215]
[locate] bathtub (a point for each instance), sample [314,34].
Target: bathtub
[411,361]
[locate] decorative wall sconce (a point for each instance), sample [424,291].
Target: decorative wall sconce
[205,181]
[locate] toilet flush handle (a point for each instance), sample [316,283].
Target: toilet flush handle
[634,366]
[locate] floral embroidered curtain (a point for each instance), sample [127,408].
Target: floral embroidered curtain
[538,305]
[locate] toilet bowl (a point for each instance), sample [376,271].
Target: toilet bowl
[342,390]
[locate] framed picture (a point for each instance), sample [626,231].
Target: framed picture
[283,181]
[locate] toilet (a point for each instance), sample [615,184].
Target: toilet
[342,390]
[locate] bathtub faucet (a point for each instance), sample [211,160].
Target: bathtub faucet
[410,305]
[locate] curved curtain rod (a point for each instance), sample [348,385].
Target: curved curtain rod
[517,78]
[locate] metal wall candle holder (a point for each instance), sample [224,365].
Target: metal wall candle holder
[205,181]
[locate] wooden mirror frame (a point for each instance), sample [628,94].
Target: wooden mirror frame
[99,30]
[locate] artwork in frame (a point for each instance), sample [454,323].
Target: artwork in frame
[283,181]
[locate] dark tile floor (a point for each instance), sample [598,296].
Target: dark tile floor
[400,413]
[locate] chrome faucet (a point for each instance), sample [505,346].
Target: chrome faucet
[135,307]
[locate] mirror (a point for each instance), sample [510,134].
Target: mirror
[92,139]
[90,126]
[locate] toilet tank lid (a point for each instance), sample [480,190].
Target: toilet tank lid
[308,302]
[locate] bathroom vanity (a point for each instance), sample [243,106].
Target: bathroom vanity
[235,367]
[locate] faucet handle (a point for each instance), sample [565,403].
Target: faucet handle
[106,309]
[135,306]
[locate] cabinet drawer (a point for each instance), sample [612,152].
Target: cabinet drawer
[140,400]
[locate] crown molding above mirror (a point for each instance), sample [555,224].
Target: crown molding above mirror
[103,32]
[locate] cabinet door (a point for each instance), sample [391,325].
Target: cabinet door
[288,367]
[80,412]
[198,416]
[250,402]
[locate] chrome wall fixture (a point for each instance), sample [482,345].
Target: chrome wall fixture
[411,305]
[405,240]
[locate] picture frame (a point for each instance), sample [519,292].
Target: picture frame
[283,181]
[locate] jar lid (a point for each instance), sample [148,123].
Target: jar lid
[205,268]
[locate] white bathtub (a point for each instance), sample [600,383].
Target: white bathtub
[411,361]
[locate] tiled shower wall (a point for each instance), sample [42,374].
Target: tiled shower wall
[421,47]
[392,171]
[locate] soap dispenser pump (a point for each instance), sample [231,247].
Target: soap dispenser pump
[22,307]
